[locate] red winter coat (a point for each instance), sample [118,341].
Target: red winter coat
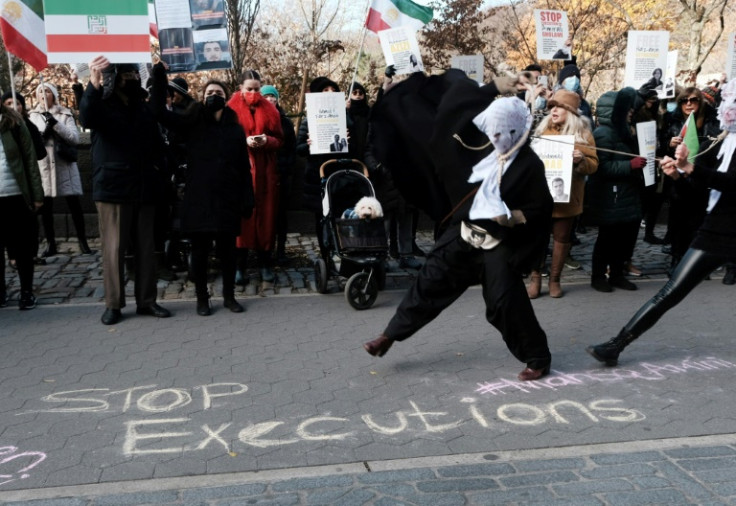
[259,231]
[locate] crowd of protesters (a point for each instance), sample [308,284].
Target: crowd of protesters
[178,176]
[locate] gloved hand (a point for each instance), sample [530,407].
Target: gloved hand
[50,120]
[390,71]
[638,163]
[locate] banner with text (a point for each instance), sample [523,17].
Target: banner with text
[326,119]
[731,60]
[553,35]
[556,153]
[646,59]
[646,134]
[471,64]
[401,49]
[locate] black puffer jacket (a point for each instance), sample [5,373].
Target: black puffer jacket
[613,192]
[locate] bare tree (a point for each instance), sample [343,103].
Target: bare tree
[241,18]
[698,14]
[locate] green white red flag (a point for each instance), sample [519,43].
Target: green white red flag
[79,30]
[21,22]
[385,14]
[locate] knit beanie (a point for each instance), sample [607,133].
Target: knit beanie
[18,97]
[269,90]
[320,83]
[568,71]
[53,89]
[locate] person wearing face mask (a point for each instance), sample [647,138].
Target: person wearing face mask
[127,152]
[496,231]
[219,188]
[714,168]
[262,124]
[569,79]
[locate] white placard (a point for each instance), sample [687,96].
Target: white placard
[731,59]
[472,65]
[326,119]
[668,87]
[173,14]
[553,35]
[646,135]
[401,49]
[556,153]
[646,59]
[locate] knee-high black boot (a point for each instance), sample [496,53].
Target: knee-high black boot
[609,351]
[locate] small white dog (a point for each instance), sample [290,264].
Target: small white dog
[365,208]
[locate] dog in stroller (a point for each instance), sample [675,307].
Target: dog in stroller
[353,231]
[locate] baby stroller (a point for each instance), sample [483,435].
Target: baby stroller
[360,244]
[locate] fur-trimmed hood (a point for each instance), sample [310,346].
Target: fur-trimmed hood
[262,117]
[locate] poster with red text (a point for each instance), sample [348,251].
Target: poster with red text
[553,35]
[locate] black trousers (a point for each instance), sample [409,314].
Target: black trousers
[613,247]
[17,228]
[450,269]
[224,250]
[693,268]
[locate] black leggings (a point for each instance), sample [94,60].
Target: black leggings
[693,268]
[75,209]
[224,250]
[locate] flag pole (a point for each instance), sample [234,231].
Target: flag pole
[360,50]
[12,80]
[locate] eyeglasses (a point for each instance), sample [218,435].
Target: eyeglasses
[691,100]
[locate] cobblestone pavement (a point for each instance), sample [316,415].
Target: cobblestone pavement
[673,472]
[70,277]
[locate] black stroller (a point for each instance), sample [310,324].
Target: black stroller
[360,244]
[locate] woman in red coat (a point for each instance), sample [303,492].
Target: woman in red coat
[262,124]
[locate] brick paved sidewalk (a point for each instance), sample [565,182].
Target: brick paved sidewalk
[695,470]
[73,278]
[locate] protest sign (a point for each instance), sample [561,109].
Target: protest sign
[472,65]
[401,49]
[553,35]
[646,59]
[326,119]
[646,135]
[556,153]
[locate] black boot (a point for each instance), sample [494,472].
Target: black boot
[203,305]
[84,247]
[609,351]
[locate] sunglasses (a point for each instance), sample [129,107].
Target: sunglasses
[691,100]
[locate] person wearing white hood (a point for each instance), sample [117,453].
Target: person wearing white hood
[714,245]
[510,211]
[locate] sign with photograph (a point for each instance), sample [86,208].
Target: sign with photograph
[401,49]
[553,35]
[646,59]
[193,35]
[668,88]
[472,65]
[556,153]
[646,134]
[327,122]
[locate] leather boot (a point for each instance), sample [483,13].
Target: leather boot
[379,346]
[535,285]
[84,247]
[203,305]
[559,254]
[609,351]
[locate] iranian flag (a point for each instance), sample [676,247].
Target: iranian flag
[153,27]
[22,27]
[385,14]
[79,30]
[689,134]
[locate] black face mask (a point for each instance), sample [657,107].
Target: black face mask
[214,103]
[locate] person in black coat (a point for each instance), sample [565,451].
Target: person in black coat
[687,202]
[715,242]
[127,153]
[497,230]
[219,187]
